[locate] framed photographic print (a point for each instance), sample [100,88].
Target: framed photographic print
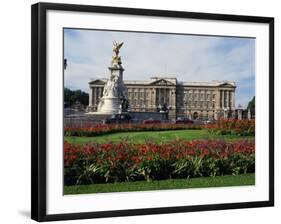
[140,111]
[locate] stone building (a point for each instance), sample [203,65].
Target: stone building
[195,100]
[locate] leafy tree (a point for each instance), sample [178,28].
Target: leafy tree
[251,105]
[71,97]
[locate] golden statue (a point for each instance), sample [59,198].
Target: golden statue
[116,48]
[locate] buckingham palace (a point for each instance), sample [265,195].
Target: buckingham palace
[195,100]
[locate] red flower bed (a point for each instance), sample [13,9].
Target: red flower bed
[124,161]
[233,126]
[112,128]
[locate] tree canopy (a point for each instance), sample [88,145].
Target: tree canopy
[251,105]
[71,97]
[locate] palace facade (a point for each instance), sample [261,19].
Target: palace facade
[182,99]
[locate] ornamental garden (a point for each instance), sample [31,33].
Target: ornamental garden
[136,157]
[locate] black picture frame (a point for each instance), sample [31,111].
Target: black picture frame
[39,115]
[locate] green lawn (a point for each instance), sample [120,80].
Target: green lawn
[201,182]
[159,136]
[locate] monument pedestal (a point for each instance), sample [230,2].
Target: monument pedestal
[109,105]
[115,92]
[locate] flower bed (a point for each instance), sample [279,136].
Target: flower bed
[222,127]
[232,126]
[113,128]
[124,161]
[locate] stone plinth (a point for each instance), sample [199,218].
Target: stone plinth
[109,105]
[114,94]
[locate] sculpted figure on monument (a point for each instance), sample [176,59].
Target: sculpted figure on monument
[111,87]
[105,90]
[116,58]
[124,104]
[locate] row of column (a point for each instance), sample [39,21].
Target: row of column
[94,95]
[163,96]
[190,95]
[157,93]
[142,99]
[226,99]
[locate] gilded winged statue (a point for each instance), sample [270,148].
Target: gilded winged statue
[116,48]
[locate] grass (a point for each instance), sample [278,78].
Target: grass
[158,137]
[201,182]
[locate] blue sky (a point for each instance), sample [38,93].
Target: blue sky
[187,57]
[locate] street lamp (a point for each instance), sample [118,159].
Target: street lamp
[64,63]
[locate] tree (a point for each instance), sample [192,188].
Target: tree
[71,97]
[251,105]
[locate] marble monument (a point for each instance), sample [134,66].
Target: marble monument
[115,95]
